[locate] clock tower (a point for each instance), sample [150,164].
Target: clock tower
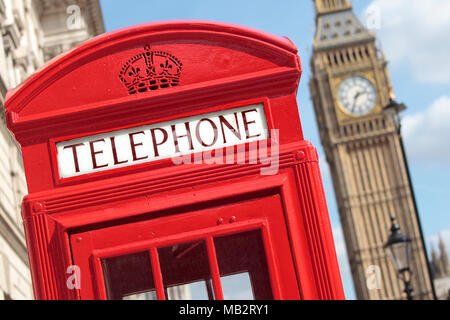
[349,87]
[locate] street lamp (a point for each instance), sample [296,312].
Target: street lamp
[399,245]
[392,111]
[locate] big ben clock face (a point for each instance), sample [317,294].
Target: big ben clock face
[357,95]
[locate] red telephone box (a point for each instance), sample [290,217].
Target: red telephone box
[171,155]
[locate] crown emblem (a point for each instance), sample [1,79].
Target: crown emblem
[150,70]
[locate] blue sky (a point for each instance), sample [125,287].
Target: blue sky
[414,39]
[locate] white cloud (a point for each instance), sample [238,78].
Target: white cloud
[344,266]
[427,133]
[416,32]
[324,168]
[341,251]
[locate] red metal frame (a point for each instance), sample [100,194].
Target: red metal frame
[224,66]
[147,165]
[192,228]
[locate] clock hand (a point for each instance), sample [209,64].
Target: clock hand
[355,98]
[353,106]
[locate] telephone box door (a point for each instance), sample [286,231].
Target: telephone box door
[232,251]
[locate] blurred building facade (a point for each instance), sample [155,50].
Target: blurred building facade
[349,87]
[441,271]
[32,32]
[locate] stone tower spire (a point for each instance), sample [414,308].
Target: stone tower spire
[443,258]
[435,262]
[338,25]
[327,6]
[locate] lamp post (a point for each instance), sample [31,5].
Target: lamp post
[399,245]
[392,111]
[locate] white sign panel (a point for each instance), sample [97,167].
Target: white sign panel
[162,140]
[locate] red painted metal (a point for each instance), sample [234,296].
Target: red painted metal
[159,286]
[83,219]
[215,273]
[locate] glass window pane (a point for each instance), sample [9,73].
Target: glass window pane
[201,290]
[191,291]
[244,253]
[150,295]
[185,271]
[237,287]
[127,275]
